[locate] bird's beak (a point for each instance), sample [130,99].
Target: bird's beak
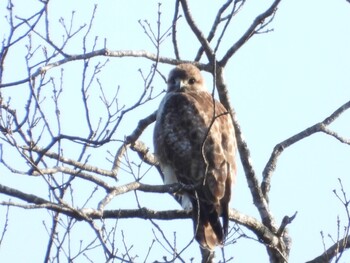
[180,84]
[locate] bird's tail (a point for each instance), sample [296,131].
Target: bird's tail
[208,228]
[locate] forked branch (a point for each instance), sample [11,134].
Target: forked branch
[279,148]
[258,21]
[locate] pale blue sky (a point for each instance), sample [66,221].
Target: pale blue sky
[280,83]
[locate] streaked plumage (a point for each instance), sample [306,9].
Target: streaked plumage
[195,145]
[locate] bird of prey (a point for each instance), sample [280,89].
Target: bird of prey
[195,145]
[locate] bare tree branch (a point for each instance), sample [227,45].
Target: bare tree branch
[277,251]
[244,152]
[198,33]
[217,21]
[251,223]
[331,252]
[36,133]
[173,35]
[81,166]
[137,146]
[259,20]
[279,148]
[6,223]
[102,52]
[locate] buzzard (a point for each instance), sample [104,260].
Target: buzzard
[195,145]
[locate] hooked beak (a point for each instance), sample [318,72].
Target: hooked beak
[180,84]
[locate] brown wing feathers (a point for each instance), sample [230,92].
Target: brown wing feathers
[194,142]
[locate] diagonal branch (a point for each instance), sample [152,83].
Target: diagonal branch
[333,251]
[279,148]
[244,153]
[81,166]
[259,20]
[199,34]
[131,141]
[278,247]
[217,21]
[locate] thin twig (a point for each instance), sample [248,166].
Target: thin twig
[6,224]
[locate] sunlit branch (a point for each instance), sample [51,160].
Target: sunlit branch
[52,233]
[74,163]
[77,173]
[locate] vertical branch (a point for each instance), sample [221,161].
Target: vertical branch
[52,234]
[176,17]
[85,86]
[4,230]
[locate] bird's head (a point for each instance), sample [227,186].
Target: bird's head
[185,78]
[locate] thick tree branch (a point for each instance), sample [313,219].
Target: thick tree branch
[33,199]
[244,152]
[262,232]
[279,250]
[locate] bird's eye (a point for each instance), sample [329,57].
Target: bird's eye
[191,81]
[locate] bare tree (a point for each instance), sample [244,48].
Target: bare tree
[76,139]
